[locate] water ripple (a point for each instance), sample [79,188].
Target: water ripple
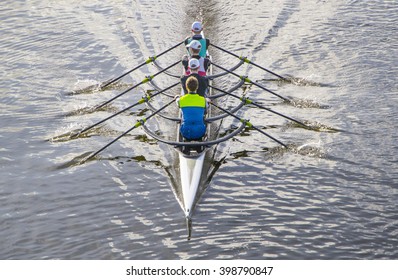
[331,195]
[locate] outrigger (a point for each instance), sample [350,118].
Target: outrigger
[191,154]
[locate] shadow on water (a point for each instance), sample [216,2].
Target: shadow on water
[91,110]
[75,134]
[76,161]
[84,158]
[96,88]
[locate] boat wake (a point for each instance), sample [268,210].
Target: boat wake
[314,150]
[305,103]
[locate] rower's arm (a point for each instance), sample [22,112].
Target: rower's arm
[177,98]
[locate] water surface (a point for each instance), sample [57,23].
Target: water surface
[332,195]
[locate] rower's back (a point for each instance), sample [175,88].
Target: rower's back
[193,107]
[197,35]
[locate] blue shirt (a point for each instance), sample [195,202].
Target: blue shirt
[193,107]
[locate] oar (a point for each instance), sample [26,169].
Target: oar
[248,124]
[247,80]
[149,60]
[137,124]
[147,79]
[249,101]
[142,100]
[249,62]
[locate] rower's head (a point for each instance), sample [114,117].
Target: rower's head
[192,84]
[194,47]
[194,65]
[197,27]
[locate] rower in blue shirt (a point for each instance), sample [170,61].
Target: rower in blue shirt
[193,107]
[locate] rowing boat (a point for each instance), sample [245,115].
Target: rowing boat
[192,155]
[191,161]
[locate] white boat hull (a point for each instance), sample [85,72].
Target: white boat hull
[190,172]
[191,168]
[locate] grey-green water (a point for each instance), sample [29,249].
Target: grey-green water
[334,196]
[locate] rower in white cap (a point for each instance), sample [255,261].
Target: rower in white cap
[202,80]
[204,63]
[197,35]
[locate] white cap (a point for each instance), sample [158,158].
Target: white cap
[194,63]
[195,44]
[197,26]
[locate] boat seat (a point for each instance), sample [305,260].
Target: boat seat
[198,149]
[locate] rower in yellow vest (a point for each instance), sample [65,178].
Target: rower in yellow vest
[193,107]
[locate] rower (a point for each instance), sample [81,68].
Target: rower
[193,107]
[197,35]
[193,65]
[195,48]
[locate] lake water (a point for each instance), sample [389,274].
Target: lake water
[333,194]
